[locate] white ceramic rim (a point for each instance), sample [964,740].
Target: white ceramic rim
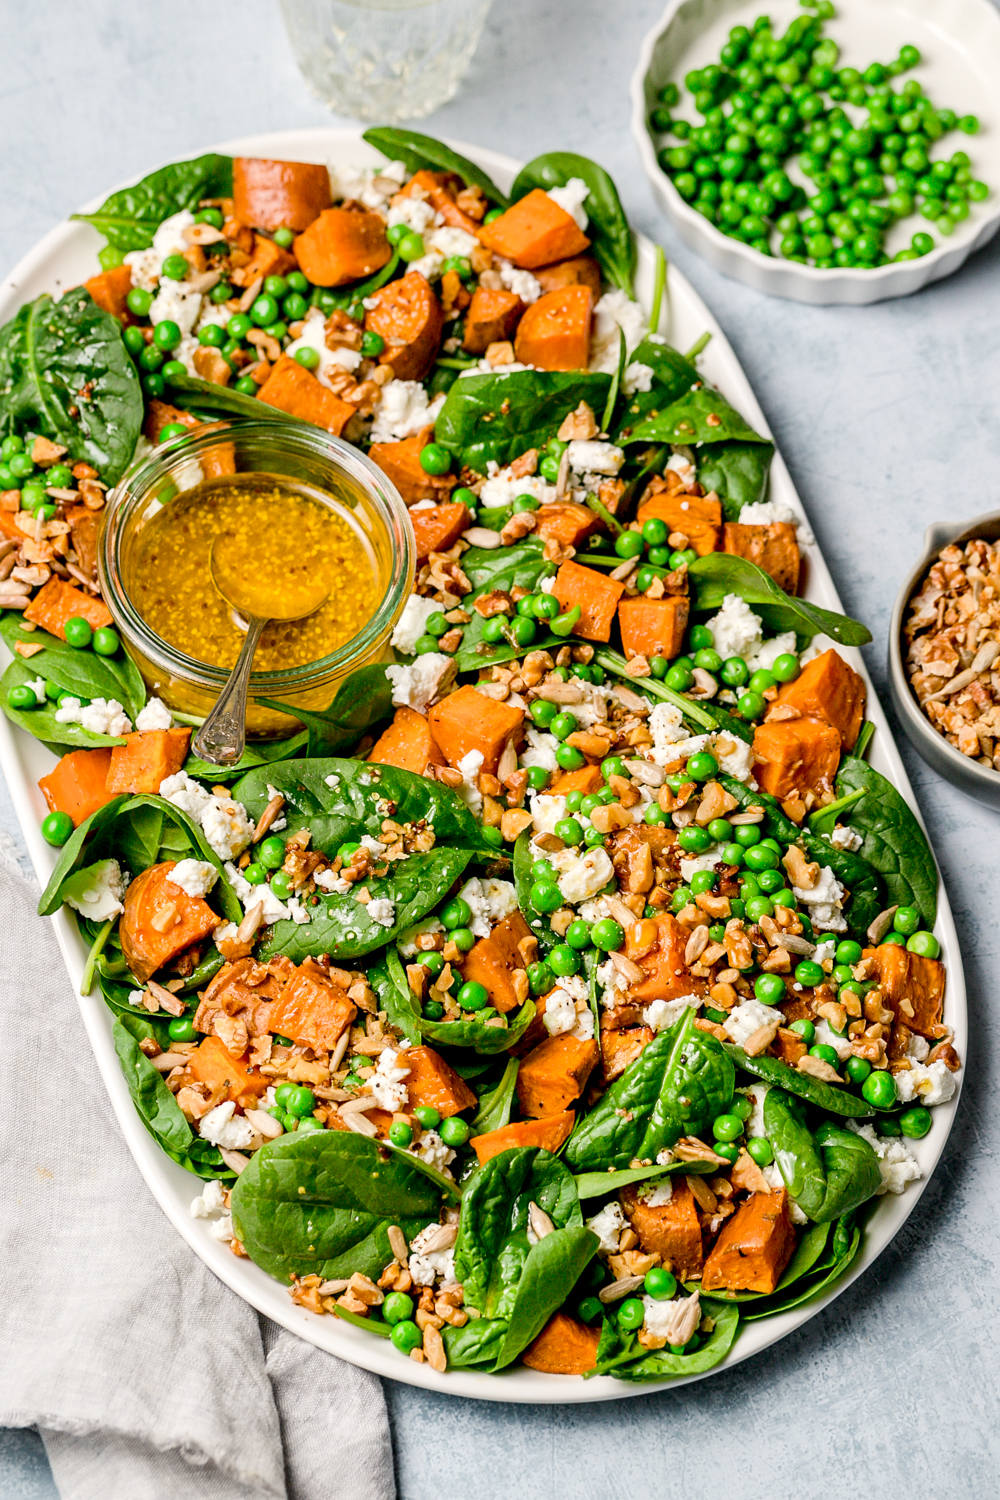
[787,278]
[684,317]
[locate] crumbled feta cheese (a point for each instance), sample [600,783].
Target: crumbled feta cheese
[221,1229]
[608,1226]
[735,629]
[489,901]
[212,1200]
[591,456]
[449,241]
[571,198]
[660,1318]
[195,877]
[168,240]
[612,980]
[826,1034]
[372,844]
[416,213]
[96,891]
[222,1127]
[412,623]
[521,283]
[432,1149]
[766,512]
[429,266]
[136,997]
[176,302]
[825,952]
[541,750]
[763,656]
[637,377]
[699,862]
[403,411]
[747,1017]
[469,768]
[756,1093]
[896,1162]
[684,469]
[662,1014]
[155,715]
[502,488]
[735,756]
[657,1194]
[272,910]
[327,880]
[928,1083]
[99,716]
[184,792]
[615,311]
[547,809]
[421,681]
[918,1047]
[226,826]
[843,837]
[582,876]
[387,1082]
[372,186]
[560,1012]
[37,686]
[382,910]
[666,725]
[825,901]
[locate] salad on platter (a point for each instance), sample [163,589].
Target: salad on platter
[566,991]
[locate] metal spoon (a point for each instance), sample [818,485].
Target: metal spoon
[258,601]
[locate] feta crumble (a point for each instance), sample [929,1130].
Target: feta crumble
[212,1200]
[547,809]
[846,838]
[412,623]
[96,891]
[420,682]
[927,1083]
[593,457]
[582,876]
[766,512]
[195,877]
[637,377]
[489,901]
[735,629]
[570,198]
[502,488]
[404,410]
[615,311]
[662,1014]
[224,1128]
[747,1017]
[155,715]
[825,901]
[521,283]
[896,1162]
[100,716]
[387,1084]
[608,1226]
[382,911]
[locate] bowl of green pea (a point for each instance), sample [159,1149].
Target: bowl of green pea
[840,151]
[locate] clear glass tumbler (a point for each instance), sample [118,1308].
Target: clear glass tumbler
[384,60]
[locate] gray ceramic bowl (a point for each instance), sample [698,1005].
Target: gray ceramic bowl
[968,775]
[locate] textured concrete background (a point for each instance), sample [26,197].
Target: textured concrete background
[889,418]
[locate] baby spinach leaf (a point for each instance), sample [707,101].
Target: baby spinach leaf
[323,1203]
[493,1112]
[82,673]
[616,381]
[497,417]
[395,997]
[600,1184]
[478,1343]
[253,755]
[548,1276]
[442,1181]
[721,573]
[65,373]
[608,228]
[474,1032]
[156,1105]
[676,1086]
[523,571]
[737,472]
[686,421]
[361,700]
[523,561]
[41,721]
[836,1101]
[894,841]
[807,1287]
[71,854]
[140,1022]
[620,1354]
[673,374]
[130,217]
[826,818]
[341,926]
[418,151]
[827,1174]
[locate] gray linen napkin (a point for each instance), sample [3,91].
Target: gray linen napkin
[146,1376]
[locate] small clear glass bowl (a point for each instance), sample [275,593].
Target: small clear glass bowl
[289,451]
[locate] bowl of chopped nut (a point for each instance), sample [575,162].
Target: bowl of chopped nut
[944,655]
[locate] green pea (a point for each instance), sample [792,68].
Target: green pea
[457,913]
[271,853]
[222,291]
[400,1134]
[924,944]
[263,311]
[435,459]
[825,1054]
[427,1116]
[578,935]
[538,778]
[569,830]
[703,881]
[410,246]
[607,935]
[568,758]
[432,961]
[246,386]
[969,124]
[57,827]
[139,301]
[473,995]
[769,989]
[397,1307]
[857,1070]
[281,885]
[759,906]
[78,632]
[848,952]
[300,1101]
[540,978]
[562,725]
[702,766]
[679,678]
[809,974]
[660,1284]
[629,544]
[255,874]
[915,1122]
[879,1088]
[631,1314]
[406,1336]
[694,840]
[727,1127]
[545,896]
[734,672]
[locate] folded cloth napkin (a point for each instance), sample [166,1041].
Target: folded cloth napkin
[146,1376]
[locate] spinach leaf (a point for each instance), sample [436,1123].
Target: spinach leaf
[360,798]
[686,421]
[600,1184]
[130,217]
[616,382]
[395,997]
[837,1101]
[341,926]
[82,673]
[323,1203]
[41,721]
[140,1023]
[473,1032]
[65,373]
[547,1277]
[254,755]
[620,1354]
[523,562]
[737,472]
[478,1343]
[894,841]
[807,1287]
[474,653]
[673,374]
[494,1108]
[676,1086]
[497,417]
[608,228]
[827,1174]
[419,151]
[156,1105]
[361,700]
[721,573]
[71,854]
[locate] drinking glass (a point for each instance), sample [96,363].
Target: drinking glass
[384,60]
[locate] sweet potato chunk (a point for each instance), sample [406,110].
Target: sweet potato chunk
[56,602]
[468,720]
[311,1009]
[110,289]
[830,690]
[534,231]
[699,517]
[341,246]
[586,779]
[596,595]
[268,259]
[548,1134]
[279,194]
[492,960]
[796,755]
[667,977]
[773,548]
[565,522]
[621,1045]
[578,270]
[438,528]
[79,784]
[554,333]
[433,1083]
[754,1247]
[492,317]
[292,388]
[211,1062]
[911,986]
[653,627]
[407,743]
[564,1347]
[400,462]
[160,921]
[408,315]
[147,758]
[670,1230]
[440,190]
[555,1074]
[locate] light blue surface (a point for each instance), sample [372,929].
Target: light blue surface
[888,417]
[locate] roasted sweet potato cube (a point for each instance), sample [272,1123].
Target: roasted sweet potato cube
[773,548]
[468,720]
[911,986]
[292,388]
[753,1248]
[79,784]
[671,1230]
[56,602]
[828,689]
[667,977]
[492,960]
[699,517]
[400,462]
[653,627]
[555,1074]
[110,290]
[548,1134]
[435,1084]
[211,1062]
[311,1009]
[492,317]
[409,317]
[596,595]
[241,989]
[567,523]
[578,270]
[279,194]
[440,190]
[534,231]
[554,332]
[160,921]
[586,779]
[438,527]
[788,1045]
[146,759]
[621,1046]
[564,1347]
[407,743]
[342,245]
[796,755]
[267,259]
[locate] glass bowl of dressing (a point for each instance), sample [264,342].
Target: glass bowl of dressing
[293,502]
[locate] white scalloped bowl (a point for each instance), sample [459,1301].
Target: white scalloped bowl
[959,41]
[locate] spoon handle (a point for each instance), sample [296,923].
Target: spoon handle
[223,735]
